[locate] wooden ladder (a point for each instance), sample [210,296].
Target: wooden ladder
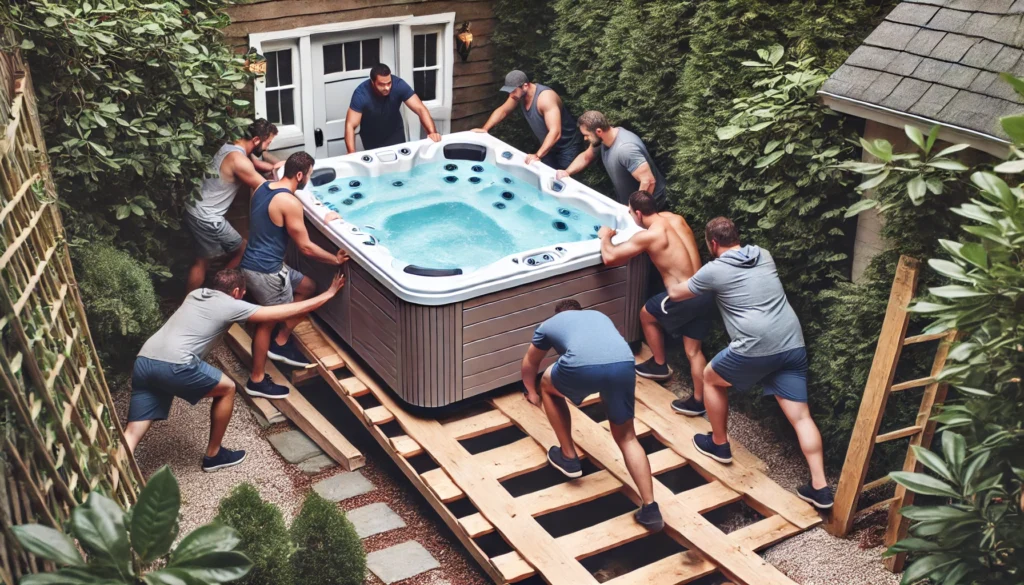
[876,394]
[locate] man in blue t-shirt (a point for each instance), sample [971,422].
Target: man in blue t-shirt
[593,357]
[376,109]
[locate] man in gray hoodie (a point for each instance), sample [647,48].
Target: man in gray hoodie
[767,346]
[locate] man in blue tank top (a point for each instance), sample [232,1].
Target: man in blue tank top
[547,116]
[376,109]
[593,357]
[275,216]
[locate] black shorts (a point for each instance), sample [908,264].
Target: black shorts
[690,318]
[616,383]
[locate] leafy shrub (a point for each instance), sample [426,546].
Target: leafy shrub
[119,300]
[132,548]
[264,537]
[329,550]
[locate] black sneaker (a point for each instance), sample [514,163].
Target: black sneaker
[690,407]
[267,388]
[288,354]
[653,370]
[223,459]
[568,467]
[706,445]
[821,499]
[649,516]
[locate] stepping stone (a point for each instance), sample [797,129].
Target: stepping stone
[343,486]
[294,446]
[374,519]
[400,562]
[315,465]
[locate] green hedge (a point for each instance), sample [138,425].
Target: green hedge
[670,71]
[265,538]
[329,550]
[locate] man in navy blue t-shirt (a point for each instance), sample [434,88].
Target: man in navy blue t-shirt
[376,109]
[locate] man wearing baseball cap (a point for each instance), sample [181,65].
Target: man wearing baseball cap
[547,116]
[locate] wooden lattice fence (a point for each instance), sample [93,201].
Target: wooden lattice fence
[60,434]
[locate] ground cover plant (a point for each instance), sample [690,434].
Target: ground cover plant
[264,536]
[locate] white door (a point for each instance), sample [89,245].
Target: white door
[341,61]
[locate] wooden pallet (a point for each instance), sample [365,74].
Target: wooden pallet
[460,474]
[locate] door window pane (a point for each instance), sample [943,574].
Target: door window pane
[280,88]
[371,53]
[431,49]
[352,61]
[425,84]
[272,69]
[273,107]
[287,107]
[284,67]
[333,59]
[419,51]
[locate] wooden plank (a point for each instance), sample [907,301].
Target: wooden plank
[571,493]
[378,415]
[303,376]
[405,446]
[682,521]
[521,531]
[688,566]
[505,462]
[911,384]
[677,433]
[898,434]
[414,478]
[260,406]
[876,395]
[923,338]
[298,410]
[478,424]
[353,387]
[876,483]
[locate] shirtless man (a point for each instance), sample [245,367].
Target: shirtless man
[669,242]
[230,168]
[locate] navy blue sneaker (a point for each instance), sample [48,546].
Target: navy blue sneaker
[690,407]
[568,467]
[223,459]
[288,354]
[706,445]
[649,516]
[821,499]
[266,388]
[652,370]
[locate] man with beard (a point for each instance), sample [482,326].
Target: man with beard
[547,116]
[231,168]
[275,215]
[625,157]
[376,109]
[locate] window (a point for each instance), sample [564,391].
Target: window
[351,56]
[281,87]
[426,66]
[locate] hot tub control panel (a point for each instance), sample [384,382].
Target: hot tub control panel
[541,258]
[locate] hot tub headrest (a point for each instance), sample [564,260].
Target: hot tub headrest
[421,271]
[322,176]
[463,151]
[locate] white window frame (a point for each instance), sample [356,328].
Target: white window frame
[439,67]
[302,72]
[288,135]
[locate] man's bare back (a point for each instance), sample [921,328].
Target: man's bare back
[672,248]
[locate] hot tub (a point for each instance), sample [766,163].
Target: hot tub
[458,252]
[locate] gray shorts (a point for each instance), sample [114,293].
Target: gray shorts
[275,288]
[214,238]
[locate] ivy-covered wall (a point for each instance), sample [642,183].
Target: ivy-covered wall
[670,70]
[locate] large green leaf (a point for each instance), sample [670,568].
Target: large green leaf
[49,544]
[206,539]
[1010,167]
[995,187]
[933,462]
[954,448]
[215,567]
[924,566]
[935,513]
[956,291]
[154,523]
[951,150]
[916,188]
[975,254]
[975,464]
[72,576]
[949,269]
[947,165]
[874,181]
[862,205]
[915,135]
[923,484]
[1014,127]
[879,148]
[99,526]
[172,577]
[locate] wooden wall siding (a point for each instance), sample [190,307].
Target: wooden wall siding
[374,327]
[431,353]
[475,83]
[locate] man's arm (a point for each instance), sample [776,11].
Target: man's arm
[530,369]
[499,114]
[552,111]
[352,119]
[579,163]
[277,313]
[295,223]
[680,291]
[613,255]
[243,172]
[645,177]
[415,104]
[262,167]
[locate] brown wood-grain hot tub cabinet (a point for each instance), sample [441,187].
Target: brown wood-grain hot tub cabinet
[433,356]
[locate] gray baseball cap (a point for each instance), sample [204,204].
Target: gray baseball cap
[514,79]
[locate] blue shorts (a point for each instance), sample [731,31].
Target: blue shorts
[782,374]
[616,384]
[691,318]
[155,383]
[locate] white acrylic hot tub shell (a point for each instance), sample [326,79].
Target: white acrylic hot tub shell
[500,275]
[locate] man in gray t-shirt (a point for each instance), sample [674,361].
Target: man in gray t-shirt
[170,364]
[625,157]
[767,346]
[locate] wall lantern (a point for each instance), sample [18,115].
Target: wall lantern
[255,63]
[464,41]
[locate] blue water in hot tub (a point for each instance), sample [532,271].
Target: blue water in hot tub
[455,214]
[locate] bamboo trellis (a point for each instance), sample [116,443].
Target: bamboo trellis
[59,434]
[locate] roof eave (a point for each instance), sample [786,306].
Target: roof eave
[994,145]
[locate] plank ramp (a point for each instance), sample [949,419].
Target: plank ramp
[477,477]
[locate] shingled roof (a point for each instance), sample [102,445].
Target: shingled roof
[937,61]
